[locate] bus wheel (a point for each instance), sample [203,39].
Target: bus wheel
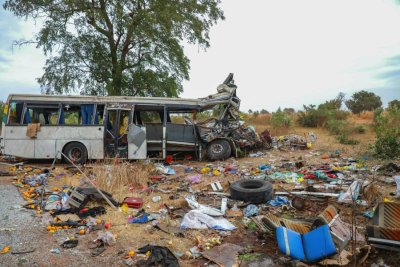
[76,152]
[218,150]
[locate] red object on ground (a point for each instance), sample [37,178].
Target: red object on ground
[168,159]
[107,225]
[157,177]
[133,202]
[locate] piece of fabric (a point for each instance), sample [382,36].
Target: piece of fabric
[87,113]
[251,210]
[32,130]
[159,256]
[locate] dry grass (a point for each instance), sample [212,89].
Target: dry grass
[118,178]
[366,117]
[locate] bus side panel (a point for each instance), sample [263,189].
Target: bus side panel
[91,136]
[17,144]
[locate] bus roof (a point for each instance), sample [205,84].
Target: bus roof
[174,103]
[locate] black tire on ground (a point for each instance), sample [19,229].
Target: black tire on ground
[219,149]
[76,152]
[253,191]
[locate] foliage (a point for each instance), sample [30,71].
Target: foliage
[377,113]
[313,116]
[289,110]
[250,111]
[363,101]
[344,139]
[256,113]
[394,104]
[2,106]
[280,119]
[387,130]
[118,47]
[360,129]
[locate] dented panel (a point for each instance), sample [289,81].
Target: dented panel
[51,139]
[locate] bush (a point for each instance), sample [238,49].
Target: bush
[319,117]
[360,129]
[337,126]
[387,128]
[345,140]
[280,119]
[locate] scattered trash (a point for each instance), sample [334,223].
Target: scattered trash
[312,246]
[223,255]
[107,238]
[133,202]
[278,201]
[250,210]
[156,199]
[55,250]
[216,187]
[197,220]
[384,233]
[158,256]
[5,250]
[193,204]
[195,179]
[71,243]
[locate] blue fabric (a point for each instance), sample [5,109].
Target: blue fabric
[87,113]
[318,243]
[27,117]
[62,117]
[294,242]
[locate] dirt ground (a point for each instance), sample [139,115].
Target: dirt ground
[24,230]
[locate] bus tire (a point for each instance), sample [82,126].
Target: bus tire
[76,152]
[219,149]
[253,191]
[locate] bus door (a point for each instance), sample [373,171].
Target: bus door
[116,127]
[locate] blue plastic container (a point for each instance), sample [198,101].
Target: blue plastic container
[290,243]
[318,244]
[312,246]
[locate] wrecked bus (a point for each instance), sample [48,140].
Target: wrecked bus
[98,127]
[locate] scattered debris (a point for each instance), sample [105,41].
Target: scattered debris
[223,255]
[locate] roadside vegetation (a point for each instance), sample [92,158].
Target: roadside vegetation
[345,120]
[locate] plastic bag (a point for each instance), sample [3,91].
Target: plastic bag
[196,220]
[107,238]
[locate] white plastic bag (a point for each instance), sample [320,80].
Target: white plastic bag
[197,220]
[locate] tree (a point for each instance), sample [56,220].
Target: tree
[117,47]
[250,111]
[335,103]
[363,101]
[289,110]
[394,104]
[264,111]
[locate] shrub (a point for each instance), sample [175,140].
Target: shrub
[360,129]
[387,130]
[280,119]
[344,139]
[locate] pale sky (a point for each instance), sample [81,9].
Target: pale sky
[282,53]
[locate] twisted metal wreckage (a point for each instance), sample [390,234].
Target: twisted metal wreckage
[228,126]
